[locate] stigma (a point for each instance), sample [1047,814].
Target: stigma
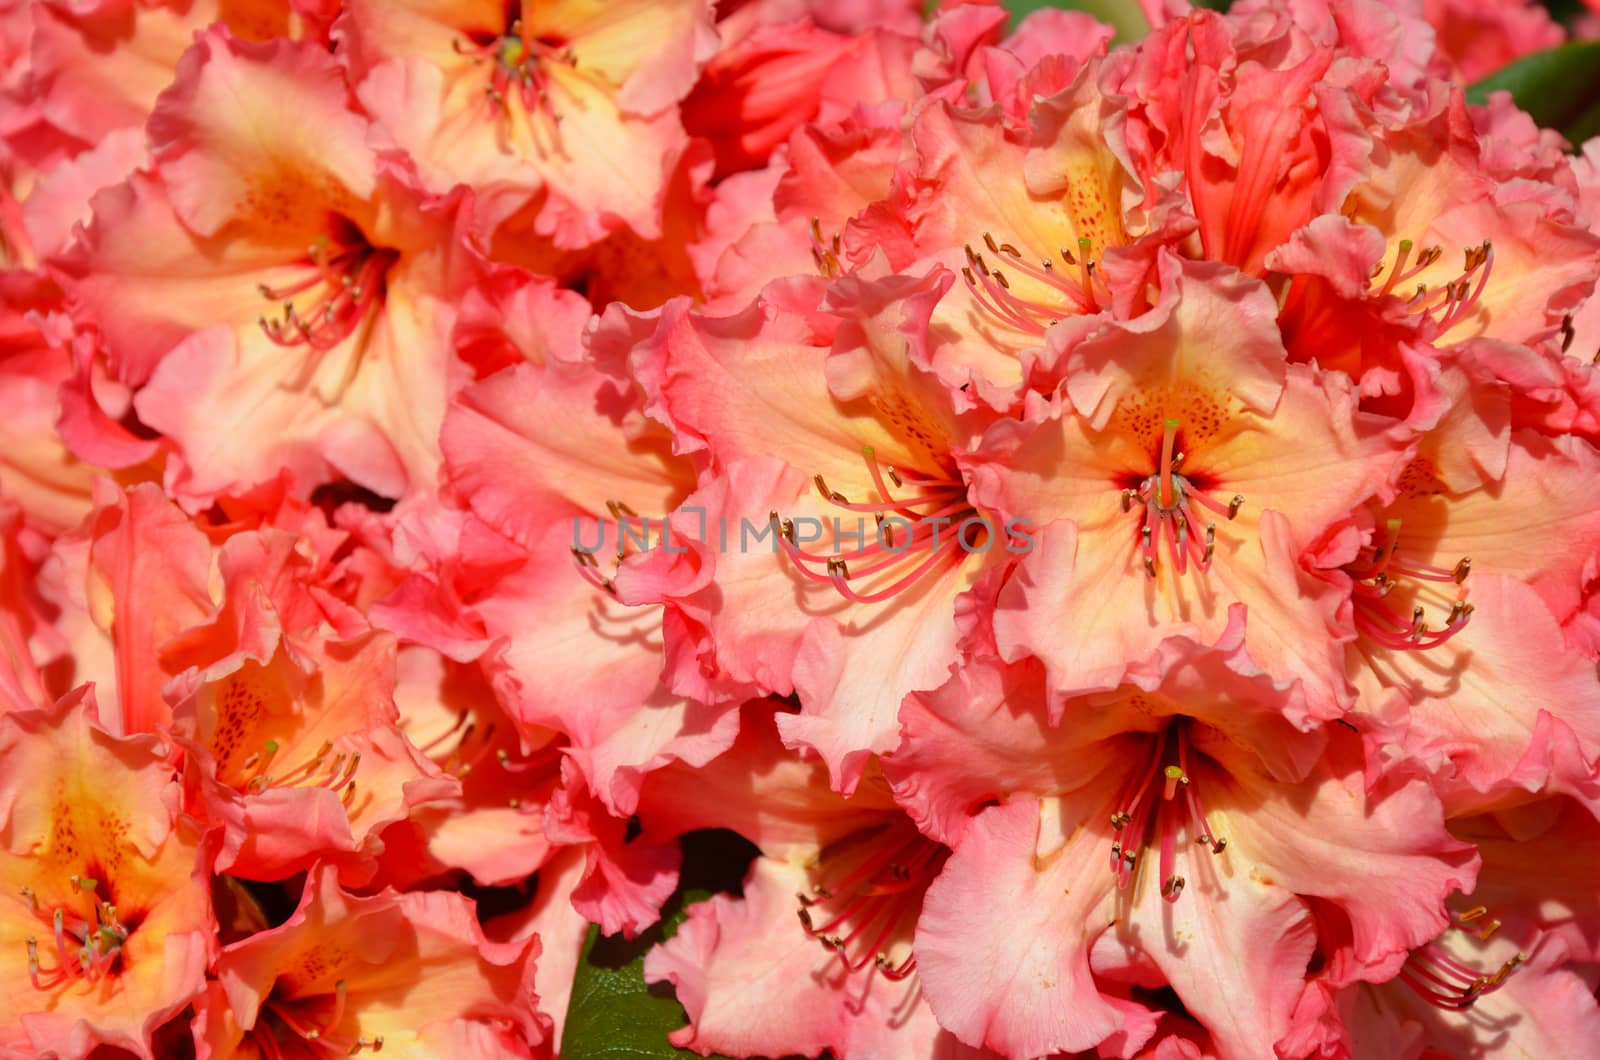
[1172,506]
[1075,287]
[1155,802]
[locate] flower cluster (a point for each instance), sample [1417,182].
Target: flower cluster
[1115,528]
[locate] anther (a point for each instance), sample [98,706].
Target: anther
[1235,504]
[1462,570]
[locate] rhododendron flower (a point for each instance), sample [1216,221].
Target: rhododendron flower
[106,921]
[410,974]
[1156,834]
[1262,133]
[1461,592]
[576,473]
[1186,468]
[335,294]
[842,976]
[1508,974]
[568,102]
[492,828]
[815,415]
[1427,238]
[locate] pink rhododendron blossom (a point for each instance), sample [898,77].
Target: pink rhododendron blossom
[337,291]
[799,528]
[1178,481]
[1221,825]
[340,973]
[811,413]
[107,918]
[570,103]
[844,975]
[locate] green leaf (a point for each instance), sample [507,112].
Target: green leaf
[614,1013]
[1559,88]
[1122,15]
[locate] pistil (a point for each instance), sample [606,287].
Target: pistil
[1143,816]
[1172,504]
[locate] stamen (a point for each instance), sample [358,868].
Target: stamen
[1138,812]
[1376,575]
[941,534]
[868,895]
[993,290]
[344,281]
[1169,499]
[1444,982]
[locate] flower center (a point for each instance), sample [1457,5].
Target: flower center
[1054,292]
[1154,802]
[1377,571]
[88,938]
[1444,982]
[343,278]
[464,746]
[868,893]
[519,60]
[934,528]
[336,772]
[285,1018]
[1171,506]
